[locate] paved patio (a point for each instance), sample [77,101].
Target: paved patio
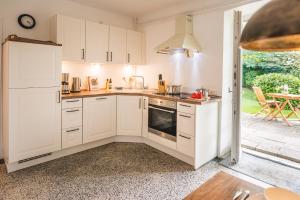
[272,137]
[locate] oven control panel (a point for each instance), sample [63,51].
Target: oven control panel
[163,103]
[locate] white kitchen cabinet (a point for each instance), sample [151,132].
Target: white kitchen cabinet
[99,118]
[134,47]
[186,144]
[186,123]
[23,60]
[145,117]
[70,32]
[71,117]
[71,137]
[117,45]
[34,123]
[96,42]
[129,115]
[71,122]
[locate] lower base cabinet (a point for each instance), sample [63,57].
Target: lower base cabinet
[99,118]
[129,115]
[71,137]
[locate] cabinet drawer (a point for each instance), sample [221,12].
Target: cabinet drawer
[186,123]
[71,117]
[186,108]
[186,144]
[72,103]
[71,137]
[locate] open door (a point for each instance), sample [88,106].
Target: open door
[237,88]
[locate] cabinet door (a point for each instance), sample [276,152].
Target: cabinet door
[129,115]
[34,65]
[134,47]
[117,45]
[71,34]
[34,121]
[96,42]
[99,118]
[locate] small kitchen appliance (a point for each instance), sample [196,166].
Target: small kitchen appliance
[65,89]
[76,83]
[173,89]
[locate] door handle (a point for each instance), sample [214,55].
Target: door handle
[185,105]
[140,103]
[73,101]
[185,116]
[101,98]
[188,138]
[58,100]
[69,111]
[111,56]
[73,130]
[107,56]
[83,54]
[144,104]
[229,90]
[128,58]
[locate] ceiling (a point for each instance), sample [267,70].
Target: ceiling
[132,8]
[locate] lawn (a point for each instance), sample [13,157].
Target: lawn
[250,103]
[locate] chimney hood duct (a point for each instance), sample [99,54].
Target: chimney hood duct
[183,41]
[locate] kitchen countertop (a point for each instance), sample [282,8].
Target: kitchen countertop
[185,98]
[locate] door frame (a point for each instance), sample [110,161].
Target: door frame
[1,90]
[237,90]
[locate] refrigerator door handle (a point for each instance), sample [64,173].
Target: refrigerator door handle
[58,100]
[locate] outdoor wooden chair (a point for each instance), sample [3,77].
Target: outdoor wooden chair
[268,106]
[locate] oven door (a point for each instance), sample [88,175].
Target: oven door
[162,122]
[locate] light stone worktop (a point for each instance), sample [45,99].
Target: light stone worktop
[148,93]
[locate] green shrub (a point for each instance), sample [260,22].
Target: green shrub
[249,78]
[272,83]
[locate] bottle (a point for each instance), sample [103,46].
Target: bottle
[110,84]
[106,84]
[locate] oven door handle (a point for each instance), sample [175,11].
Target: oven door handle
[169,111]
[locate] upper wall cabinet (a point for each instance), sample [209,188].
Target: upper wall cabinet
[96,42]
[71,33]
[117,45]
[134,47]
[85,41]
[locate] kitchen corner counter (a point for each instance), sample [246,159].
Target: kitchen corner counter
[149,93]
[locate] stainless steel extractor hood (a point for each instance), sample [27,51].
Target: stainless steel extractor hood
[183,41]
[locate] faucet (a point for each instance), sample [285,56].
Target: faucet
[141,77]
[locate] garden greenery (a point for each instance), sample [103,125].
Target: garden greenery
[259,63]
[274,82]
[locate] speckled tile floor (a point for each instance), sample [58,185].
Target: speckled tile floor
[114,171]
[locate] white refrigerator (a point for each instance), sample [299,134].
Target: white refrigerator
[31,100]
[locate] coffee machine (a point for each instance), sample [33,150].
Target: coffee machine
[65,87]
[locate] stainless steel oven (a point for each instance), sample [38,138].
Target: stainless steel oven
[162,118]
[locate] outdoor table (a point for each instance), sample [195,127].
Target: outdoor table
[280,106]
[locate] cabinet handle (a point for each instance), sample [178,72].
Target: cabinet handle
[83,54]
[101,98]
[111,56]
[128,57]
[185,116]
[140,103]
[185,105]
[70,111]
[188,138]
[59,97]
[144,104]
[73,130]
[73,101]
[107,56]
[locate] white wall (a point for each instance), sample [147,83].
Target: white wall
[203,70]
[43,10]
